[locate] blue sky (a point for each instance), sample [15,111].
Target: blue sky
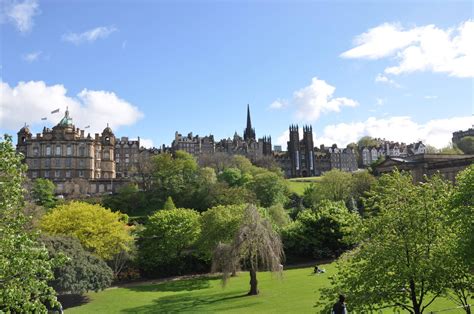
[152,68]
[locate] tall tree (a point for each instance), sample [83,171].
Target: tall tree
[400,261]
[25,266]
[256,245]
[43,193]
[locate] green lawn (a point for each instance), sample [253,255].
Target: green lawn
[298,185]
[295,292]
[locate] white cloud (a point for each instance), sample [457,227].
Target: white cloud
[19,14]
[32,56]
[90,35]
[313,100]
[380,101]
[430,97]
[424,48]
[30,101]
[399,128]
[380,78]
[278,104]
[147,143]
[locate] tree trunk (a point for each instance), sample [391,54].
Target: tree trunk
[414,301]
[253,282]
[467,309]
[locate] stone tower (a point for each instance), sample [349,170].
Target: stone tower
[107,160]
[249,132]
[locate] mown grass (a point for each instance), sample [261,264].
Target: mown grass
[295,292]
[298,185]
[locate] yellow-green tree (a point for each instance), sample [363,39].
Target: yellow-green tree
[99,230]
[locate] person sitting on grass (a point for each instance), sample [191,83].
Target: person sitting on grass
[318,270]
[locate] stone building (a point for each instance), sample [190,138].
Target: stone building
[389,149]
[194,145]
[457,136]
[301,152]
[78,163]
[426,164]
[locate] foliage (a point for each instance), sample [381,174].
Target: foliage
[255,245]
[335,185]
[169,204]
[401,258]
[43,193]
[232,176]
[81,272]
[321,233]
[222,194]
[167,234]
[218,224]
[361,183]
[367,141]
[128,199]
[278,216]
[99,230]
[25,266]
[466,144]
[270,189]
[450,150]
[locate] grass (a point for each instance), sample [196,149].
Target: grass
[298,185]
[295,292]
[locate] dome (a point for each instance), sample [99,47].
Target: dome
[108,130]
[25,129]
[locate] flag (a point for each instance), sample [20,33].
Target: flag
[86,127]
[44,118]
[55,111]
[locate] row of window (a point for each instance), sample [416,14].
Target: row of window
[58,150]
[67,174]
[57,163]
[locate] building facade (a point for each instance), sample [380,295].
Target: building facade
[76,162]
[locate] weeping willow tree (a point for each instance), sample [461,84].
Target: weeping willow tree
[255,247]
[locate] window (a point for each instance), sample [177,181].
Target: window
[48,150]
[81,173]
[106,155]
[69,150]
[35,163]
[58,150]
[58,162]
[46,174]
[57,174]
[35,151]
[34,174]
[68,162]
[82,151]
[47,163]
[81,163]
[97,175]
[68,173]
[127,160]
[106,175]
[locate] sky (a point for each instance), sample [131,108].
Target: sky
[400,70]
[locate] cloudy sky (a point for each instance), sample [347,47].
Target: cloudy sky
[399,70]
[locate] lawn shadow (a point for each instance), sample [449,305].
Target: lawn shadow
[72,300]
[175,285]
[189,302]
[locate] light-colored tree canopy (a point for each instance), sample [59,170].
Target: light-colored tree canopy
[99,230]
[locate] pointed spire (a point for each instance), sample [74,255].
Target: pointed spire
[249,121]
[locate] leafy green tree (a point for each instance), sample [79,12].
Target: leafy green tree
[278,216]
[232,176]
[218,224]
[270,189]
[43,193]
[169,204]
[401,257]
[466,144]
[81,272]
[256,245]
[450,150]
[361,183]
[335,185]
[128,200]
[99,230]
[222,194]
[25,266]
[167,234]
[367,141]
[325,232]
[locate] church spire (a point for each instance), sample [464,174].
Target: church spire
[249,132]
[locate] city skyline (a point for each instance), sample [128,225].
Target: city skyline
[395,70]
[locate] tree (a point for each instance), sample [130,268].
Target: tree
[43,193]
[81,272]
[335,185]
[167,234]
[367,141]
[218,224]
[255,244]
[466,144]
[169,204]
[25,266]
[450,150]
[325,232]
[270,189]
[401,260]
[232,176]
[99,230]
[361,183]
[128,200]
